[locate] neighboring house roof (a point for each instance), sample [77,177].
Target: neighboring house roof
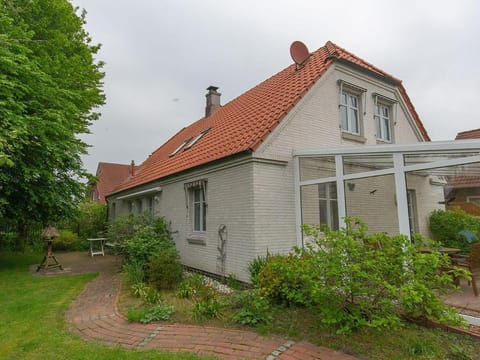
[245,122]
[466,181]
[469,134]
[110,175]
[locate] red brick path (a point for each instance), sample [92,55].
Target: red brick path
[94,317]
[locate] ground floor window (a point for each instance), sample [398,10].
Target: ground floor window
[150,204]
[328,205]
[199,210]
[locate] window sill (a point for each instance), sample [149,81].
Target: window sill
[354,137]
[197,239]
[380,141]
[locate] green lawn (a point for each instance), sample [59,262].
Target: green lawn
[32,324]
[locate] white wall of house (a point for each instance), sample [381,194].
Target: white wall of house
[314,123]
[230,202]
[274,208]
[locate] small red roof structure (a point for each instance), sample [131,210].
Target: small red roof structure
[462,187]
[469,134]
[466,181]
[245,122]
[109,176]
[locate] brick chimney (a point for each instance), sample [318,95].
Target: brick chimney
[213,100]
[132,168]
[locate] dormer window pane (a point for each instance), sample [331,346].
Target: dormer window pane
[180,147]
[198,137]
[383,122]
[349,113]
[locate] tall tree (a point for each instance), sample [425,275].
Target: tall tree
[50,85]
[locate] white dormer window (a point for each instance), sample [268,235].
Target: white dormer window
[383,122]
[350,112]
[352,106]
[180,147]
[384,118]
[195,140]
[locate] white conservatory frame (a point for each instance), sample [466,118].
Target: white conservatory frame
[399,171]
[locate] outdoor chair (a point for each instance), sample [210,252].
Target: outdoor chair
[470,262]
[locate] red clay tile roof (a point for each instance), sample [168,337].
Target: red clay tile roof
[464,181]
[110,175]
[470,134]
[246,121]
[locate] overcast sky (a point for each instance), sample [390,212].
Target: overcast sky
[161,55]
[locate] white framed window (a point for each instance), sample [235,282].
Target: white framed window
[474,199]
[328,205]
[383,122]
[151,205]
[350,112]
[199,210]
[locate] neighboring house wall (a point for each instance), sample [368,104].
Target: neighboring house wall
[467,194]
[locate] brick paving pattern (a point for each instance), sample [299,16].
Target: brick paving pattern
[93,315]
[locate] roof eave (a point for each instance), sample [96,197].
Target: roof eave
[225,158]
[389,80]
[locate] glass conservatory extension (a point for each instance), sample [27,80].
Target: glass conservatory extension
[392,188]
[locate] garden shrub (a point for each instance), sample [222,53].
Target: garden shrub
[286,279]
[134,273]
[185,290]
[165,270]
[122,229]
[360,280]
[190,286]
[91,219]
[155,313]
[256,266]
[67,241]
[253,309]
[207,308]
[233,282]
[158,312]
[207,304]
[446,227]
[146,293]
[140,237]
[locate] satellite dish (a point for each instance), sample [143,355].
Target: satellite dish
[299,52]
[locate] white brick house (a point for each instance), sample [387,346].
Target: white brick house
[226,182]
